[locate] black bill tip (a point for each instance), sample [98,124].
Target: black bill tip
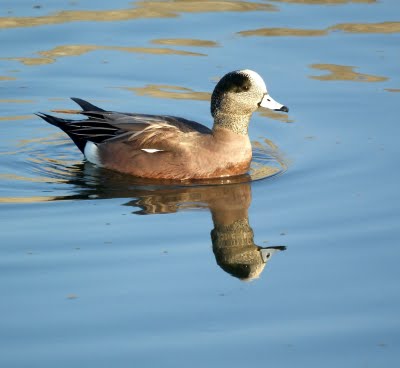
[284,109]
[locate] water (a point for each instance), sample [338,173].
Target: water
[299,268]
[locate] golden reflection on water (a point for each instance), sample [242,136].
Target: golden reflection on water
[272,145]
[16,101]
[31,179]
[76,50]
[53,139]
[272,32]
[168,91]
[50,56]
[380,28]
[205,6]
[34,199]
[325,2]
[143,10]
[259,171]
[39,167]
[344,73]
[384,27]
[30,61]
[275,115]
[184,42]
[6,78]
[16,117]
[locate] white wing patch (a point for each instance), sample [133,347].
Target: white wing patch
[92,153]
[151,150]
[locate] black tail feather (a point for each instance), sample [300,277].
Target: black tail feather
[79,141]
[95,129]
[86,106]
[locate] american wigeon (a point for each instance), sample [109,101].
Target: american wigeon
[169,147]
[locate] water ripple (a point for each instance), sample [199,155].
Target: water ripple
[52,165]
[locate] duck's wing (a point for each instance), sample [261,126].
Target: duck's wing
[138,130]
[153,132]
[132,121]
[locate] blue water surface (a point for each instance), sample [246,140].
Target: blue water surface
[100,270]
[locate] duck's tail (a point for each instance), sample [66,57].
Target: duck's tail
[86,106]
[65,126]
[92,129]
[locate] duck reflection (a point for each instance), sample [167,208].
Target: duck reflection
[232,236]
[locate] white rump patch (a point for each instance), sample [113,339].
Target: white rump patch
[151,150]
[256,79]
[91,152]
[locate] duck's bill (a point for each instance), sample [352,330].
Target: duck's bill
[271,104]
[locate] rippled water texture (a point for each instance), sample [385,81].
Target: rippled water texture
[293,264]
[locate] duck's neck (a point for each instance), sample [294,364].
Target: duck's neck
[238,123]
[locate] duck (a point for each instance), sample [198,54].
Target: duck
[171,147]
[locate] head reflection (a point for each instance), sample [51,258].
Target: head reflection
[232,236]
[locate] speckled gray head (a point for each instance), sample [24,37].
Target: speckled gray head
[236,96]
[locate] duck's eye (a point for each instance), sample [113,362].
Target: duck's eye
[242,88]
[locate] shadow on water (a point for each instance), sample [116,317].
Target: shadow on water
[232,236]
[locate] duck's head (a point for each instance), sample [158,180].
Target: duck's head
[236,96]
